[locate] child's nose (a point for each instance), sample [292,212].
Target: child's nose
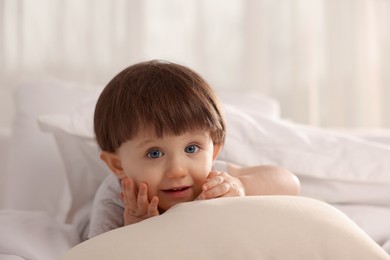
[176,169]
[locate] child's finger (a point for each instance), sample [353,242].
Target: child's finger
[217,191]
[128,190]
[212,182]
[142,200]
[153,207]
[122,197]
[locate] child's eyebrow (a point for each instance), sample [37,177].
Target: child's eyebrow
[145,143]
[201,135]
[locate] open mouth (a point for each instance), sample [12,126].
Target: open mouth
[177,189]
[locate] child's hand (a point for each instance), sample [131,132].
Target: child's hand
[221,184]
[137,206]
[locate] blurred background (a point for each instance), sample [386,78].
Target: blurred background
[326,61]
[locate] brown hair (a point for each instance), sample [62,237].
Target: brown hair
[158,96]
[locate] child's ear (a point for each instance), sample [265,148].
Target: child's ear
[114,163]
[217,149]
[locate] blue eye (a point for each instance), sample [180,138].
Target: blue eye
[191,149]
[155,154]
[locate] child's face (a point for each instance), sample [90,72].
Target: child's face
[173,167]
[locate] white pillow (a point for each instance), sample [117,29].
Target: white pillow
[310,151]
[334,167]
[35,175]
[266,227]
[251,102]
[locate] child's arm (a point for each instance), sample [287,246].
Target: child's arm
[257,180]
[266,180]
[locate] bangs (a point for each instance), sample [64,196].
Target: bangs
[174,109]
[175,112]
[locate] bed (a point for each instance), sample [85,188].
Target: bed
[50,172]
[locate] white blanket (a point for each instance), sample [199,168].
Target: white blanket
[34,236]
[258,227]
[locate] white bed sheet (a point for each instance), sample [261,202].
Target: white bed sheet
[374,220]
[34,236]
